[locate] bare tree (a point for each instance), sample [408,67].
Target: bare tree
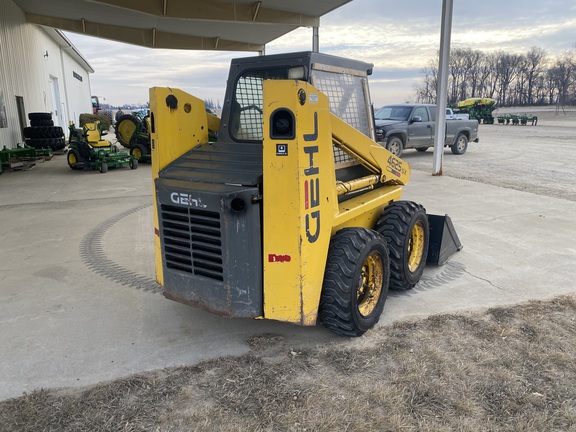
[535,60]
[427,92]
[511,79]
[564,73]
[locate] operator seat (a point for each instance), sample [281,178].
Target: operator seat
[92,135]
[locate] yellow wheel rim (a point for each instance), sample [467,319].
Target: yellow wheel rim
[136,153]
[72,159]
[126,130]
[370,288]
[416,247]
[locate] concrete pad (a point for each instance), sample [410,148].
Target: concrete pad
[78,302]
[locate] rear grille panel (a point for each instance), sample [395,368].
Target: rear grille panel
[192,241]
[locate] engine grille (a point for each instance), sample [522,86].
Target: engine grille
[192,241]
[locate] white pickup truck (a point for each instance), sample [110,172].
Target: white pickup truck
[451,115]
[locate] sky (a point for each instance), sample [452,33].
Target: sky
[399,38]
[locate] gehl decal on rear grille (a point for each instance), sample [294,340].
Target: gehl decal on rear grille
[187,200]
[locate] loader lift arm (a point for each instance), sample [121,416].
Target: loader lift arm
[386,167]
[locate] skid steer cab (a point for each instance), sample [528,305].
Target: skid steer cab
[87,150]
[294,212]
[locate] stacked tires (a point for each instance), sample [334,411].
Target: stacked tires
[42,133]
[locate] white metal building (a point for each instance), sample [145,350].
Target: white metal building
[40,71]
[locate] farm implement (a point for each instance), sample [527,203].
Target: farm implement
[478,108]
[22,157]
[517,119]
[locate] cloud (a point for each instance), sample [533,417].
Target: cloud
[399,39]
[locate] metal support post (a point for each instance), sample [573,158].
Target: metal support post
[315,40]
[442,90]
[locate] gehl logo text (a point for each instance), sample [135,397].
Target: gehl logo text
[312,187]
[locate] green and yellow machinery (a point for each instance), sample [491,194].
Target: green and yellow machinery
[478,108]
[87,149]
[133,132]
[294,212]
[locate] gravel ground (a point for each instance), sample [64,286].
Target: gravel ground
[538,159]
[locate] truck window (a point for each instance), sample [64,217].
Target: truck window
[400,113]
[422,112]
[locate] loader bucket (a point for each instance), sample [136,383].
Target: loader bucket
[444,241]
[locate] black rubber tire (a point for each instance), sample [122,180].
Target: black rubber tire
[52,143]
[398,223]
[124,140]
[39,116]
[56,132]
[103,168]
[342,297]
[421,149]
[41,122]
[133,163]
[73,158]
[460,145]
[40,132]
[58,143]
[31,133]
[394,145]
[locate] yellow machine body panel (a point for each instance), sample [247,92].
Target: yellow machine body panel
[300,201]
[472,101]
[364,210]
[179,123]
[301,208]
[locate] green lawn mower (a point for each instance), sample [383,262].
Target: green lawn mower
[132,131]
[89,150]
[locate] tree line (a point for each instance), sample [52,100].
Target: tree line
[532,78]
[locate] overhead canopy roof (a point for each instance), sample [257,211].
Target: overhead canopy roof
[241,25]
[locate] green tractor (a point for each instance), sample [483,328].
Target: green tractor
[87,149]
[133,132]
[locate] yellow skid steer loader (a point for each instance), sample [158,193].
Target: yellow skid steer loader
[294,212]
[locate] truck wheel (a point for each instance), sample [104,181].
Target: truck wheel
[394,146]
[404,225]
[461,144]
[355,282]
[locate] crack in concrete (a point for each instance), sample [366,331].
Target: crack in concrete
[494,285]
[505,217]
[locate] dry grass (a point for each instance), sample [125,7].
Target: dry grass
[509,369]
